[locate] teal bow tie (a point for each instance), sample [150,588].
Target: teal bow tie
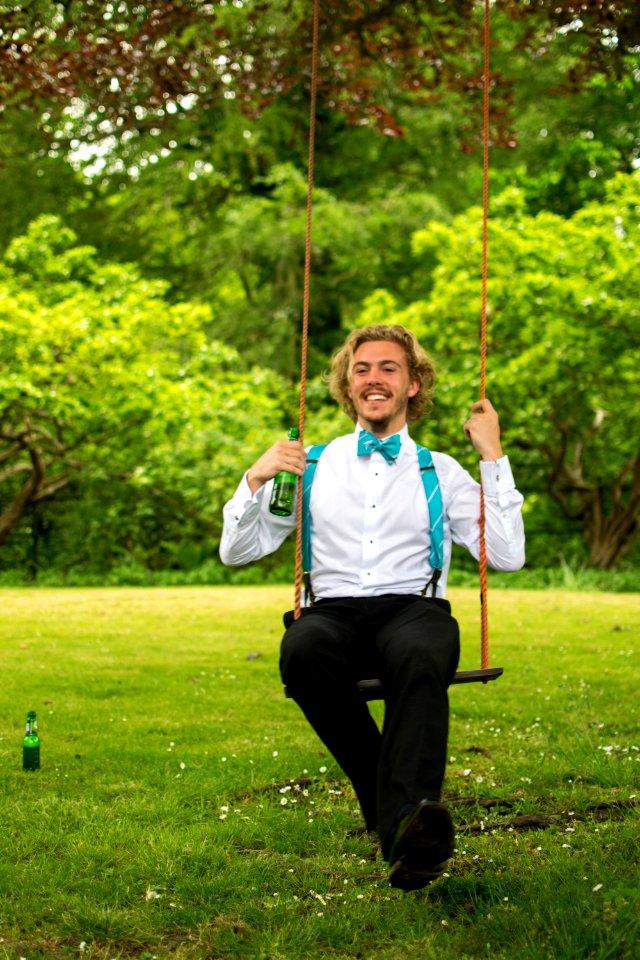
[389,447]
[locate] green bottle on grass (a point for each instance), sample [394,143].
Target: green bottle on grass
[31,744]
[284,487]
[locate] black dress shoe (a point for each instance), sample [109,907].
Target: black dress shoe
[422,845]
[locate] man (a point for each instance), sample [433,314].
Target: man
[378,606]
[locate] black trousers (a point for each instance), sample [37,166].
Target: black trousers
[412,644]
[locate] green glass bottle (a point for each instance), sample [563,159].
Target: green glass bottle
[31,744]
[284,487]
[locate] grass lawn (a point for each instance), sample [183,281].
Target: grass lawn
[184,809]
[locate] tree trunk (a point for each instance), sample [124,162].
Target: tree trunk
[610,516]
[605,552]
[609,538]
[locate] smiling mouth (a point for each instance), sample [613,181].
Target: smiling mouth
[375,397]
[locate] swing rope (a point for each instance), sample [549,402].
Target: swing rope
[484,623]
[484,613]
[305,301]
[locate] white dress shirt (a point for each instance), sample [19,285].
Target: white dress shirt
[370,521]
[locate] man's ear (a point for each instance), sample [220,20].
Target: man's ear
[414,386]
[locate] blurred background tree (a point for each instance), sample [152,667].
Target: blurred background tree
[564,328]
[170,142]
[122,423]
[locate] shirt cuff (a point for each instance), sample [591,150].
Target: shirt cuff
[244,502]
[497,477]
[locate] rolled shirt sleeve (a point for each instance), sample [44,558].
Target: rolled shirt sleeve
[250,530]
[504,527]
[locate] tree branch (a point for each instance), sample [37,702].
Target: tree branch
[10,452]
[50,487]
[14,471]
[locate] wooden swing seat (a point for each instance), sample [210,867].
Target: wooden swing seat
[373,689]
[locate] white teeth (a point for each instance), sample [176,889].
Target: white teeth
[375,396]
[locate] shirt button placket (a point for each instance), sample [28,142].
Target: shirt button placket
[372,519]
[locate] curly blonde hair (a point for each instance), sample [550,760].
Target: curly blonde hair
[421,367]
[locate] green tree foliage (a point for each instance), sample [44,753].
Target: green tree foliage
[219,92]
[173,135]
[249,263]
[570,146]
[117,404]
[128,61]
[32,181]
[564,327]
[185,115]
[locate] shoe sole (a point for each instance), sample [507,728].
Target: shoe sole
[404,877]
[424,849]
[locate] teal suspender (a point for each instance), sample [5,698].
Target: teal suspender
[434,503]
[313,455]
[436,515]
